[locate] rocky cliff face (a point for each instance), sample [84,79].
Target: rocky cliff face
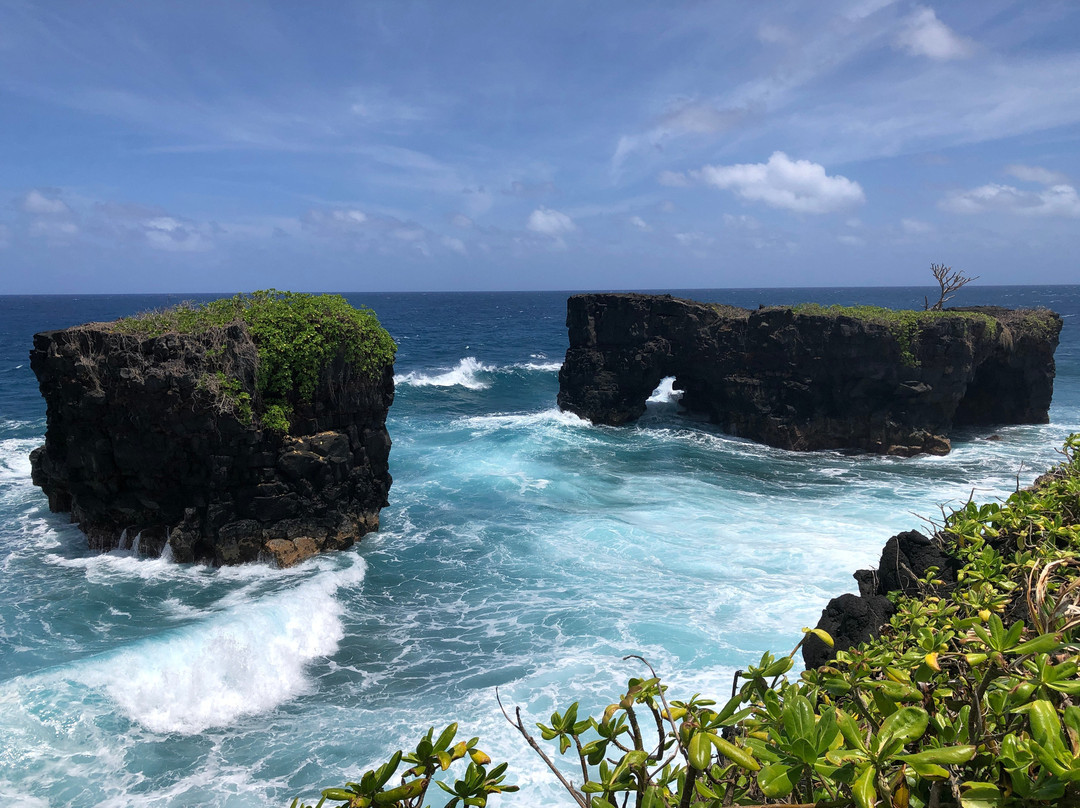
[854,619]
[809,378]
[151,438]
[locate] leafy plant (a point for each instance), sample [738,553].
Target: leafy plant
[376,787]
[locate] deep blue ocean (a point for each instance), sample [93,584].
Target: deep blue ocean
[523,549]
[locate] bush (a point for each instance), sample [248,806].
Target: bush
[296,336]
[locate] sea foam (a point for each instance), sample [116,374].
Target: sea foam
[463,374]
[243,661]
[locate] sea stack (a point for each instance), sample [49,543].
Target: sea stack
[812,377]
[242,429]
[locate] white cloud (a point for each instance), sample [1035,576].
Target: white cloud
[866,8]
[640,224]
[342,221]
[694,239]
[1056,200]
[349,216]
[37,202]
[797,185]
[550,222]
[925,35]
[915,227]
[742,222]
[455,244]
[1043,176]
[850,240]
[461,220]
[172,235]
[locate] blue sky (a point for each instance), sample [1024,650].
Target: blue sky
[207,146]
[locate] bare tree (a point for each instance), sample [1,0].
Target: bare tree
[949,281]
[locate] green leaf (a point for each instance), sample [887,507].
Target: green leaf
[902,727]
[945,756]
[778,779]
[930,771]
[1045,725]
[700,751]
[798,718]
[822,635]
[851,731]
[1040,645]
[337,794]
[864,792]
[737,754]
[446,737]
[704,791]
[980,795]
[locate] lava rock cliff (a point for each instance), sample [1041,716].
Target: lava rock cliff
[145,439]
[808,378]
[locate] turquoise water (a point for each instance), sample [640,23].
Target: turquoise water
[523,549]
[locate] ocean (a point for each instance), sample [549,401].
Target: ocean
[523,549]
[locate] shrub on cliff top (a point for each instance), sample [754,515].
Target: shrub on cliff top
[905,324]
[296,335]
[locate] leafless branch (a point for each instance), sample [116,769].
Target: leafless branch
[949,282]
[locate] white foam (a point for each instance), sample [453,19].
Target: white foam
[240,662]
[15,459]
[551,417]
[665,392]
[463,374]
[544,367]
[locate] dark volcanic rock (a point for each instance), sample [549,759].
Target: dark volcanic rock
[853,619]
[810,380]
[850,620]
[141,440]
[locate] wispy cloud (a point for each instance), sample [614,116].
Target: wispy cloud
[925,35]
[37,202]
[1053,201]
[683,118]
[1037,174]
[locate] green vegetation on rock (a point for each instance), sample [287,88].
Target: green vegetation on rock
[296,336]
[968,698]
[905,324]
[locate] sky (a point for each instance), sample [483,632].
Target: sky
[432,146]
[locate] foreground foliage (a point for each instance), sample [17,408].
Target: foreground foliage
[296,335]
[377,786]
[968,698]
